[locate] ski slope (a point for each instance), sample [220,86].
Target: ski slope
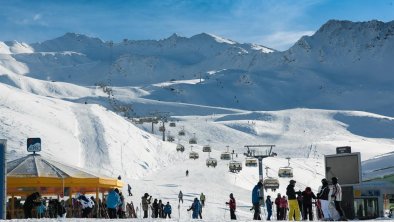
[68,91]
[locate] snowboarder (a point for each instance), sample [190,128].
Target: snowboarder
[232,206]
[268,204]
[202,199]
[195,207]
[337,197]
[294,210]
[145,201]
[167,210]
[180,197]
[129,189]
[278,209]
[31,201]
[256,197]
[307,196]
[187,172]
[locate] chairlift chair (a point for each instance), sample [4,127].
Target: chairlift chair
[251,162]
[162,128]
[172,124]
[170,138]
[180,148]
[285,172]
[235,166]
[271,183]
[225,156]
[193,140]
[206,148]
[181,132]
[193,155]
[211,162]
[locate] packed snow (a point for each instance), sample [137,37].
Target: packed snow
[72,92]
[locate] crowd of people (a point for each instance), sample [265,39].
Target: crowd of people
[297,205]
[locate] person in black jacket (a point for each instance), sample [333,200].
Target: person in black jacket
[323,197]
[294,209]
[31,201]
[307,196]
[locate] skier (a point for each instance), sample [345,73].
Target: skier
[195,207]
[129,189]
[307,196]
[60,209]
[113,201]
[337,197]
[256,200]
[232,205]
[122,207]
[187,172]
[161,209]
[323,197]
[31,201]
[268,204]
[87,204]
[294,210]
[202,199]
[284,206]
[155,209]
[278,209]
[41,209]
[145,201]
[180,196]
[167,210]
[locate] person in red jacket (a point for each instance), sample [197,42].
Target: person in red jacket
[284,206]
[278,209]
[232,206]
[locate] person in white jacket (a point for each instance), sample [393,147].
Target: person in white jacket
[87,204]
[336,195]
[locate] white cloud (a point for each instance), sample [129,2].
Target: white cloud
[283,40]
[37,17]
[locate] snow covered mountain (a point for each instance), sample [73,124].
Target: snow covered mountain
[330,89]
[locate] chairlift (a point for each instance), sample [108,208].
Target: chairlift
[225,156]
[182,131]
[271,183]
[172,124]
[235,166]
[211,162]
[206,148]
[162,128]
[170,138]
[193,140]
[286,171]
[251,162]
[180,148]
[193,155]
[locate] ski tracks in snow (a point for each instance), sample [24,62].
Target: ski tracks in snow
[94,150]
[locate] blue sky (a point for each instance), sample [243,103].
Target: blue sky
[273,23]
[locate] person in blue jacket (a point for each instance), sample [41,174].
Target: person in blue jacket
[113,201]
[268,204]
[256,200]
[195,207]
[167,210]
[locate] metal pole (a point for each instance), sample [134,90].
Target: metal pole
[3,179]
[261,179]
[164,132]
[152,127]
